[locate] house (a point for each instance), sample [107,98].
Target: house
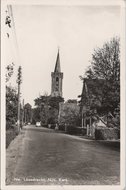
[90,104]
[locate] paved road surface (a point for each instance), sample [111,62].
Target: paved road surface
[43,156]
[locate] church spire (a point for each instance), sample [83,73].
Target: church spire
[57,66]
[57,79]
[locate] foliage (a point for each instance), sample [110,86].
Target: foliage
[8,21]
[11,100]
[10,135]
[27,113]
[69,114]
[9,71]
[47,108]
[105,62]
[53,115]
[105,65]
[111,98]
[40,113]
[41,100]
[44,113]
[19,76]
[54,102]
[11,106]
[36,115]
[72,101]
[74,130]
[107,134]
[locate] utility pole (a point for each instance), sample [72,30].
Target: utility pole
[24,115]
[23,112]
[19,80]
[82,124]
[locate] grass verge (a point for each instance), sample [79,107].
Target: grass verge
[10,135]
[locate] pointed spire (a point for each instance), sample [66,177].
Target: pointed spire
[57,66]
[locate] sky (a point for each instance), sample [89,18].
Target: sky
[76,30]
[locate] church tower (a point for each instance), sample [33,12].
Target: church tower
[57,78]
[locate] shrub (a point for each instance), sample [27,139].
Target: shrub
[11,107]
[45,125]
[84,131]
[62,127]
[107,133]
[10,135]
[74,130]
[52,126]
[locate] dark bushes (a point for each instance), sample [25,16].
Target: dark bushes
[11,107]
[62,127]
[70,129]
[107,133]
[53,126]
[10,135]
[44,125]
[74,130]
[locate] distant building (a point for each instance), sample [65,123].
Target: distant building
[57,79]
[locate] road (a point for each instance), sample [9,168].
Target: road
[41,156]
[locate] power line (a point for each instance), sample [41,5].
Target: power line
[10,12]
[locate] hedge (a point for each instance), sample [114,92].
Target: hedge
[107,133]
[10,135]
[62,127]
[74,130]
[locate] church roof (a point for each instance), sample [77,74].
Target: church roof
[57,66]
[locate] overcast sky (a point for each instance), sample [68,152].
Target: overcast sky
[77,30]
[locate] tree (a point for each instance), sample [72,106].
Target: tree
[54,109]
[36,115]
[41,100]
[11,106]
[54,102]
[27,113]
[48,108]
[72,101]
[105,64]
[53,115]
[11,99]
[42,108]
[69,114]
[8,21]
[9,71]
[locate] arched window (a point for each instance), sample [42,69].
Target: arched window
[57,83]
[57,79]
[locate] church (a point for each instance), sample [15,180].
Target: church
[57,79]
[68,109]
